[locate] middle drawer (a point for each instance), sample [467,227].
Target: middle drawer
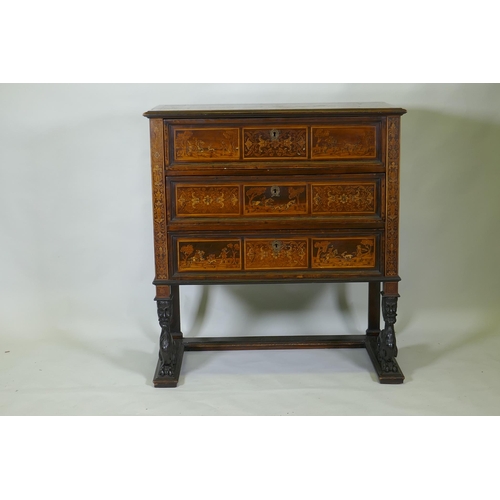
[358,195]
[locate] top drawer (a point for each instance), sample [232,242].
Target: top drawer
[280,142]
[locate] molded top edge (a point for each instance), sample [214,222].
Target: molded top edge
[247,110]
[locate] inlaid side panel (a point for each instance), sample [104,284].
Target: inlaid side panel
[208,200]
[275,199]
[208,255]
[206,144]
[159,200]
[392,197]
[338,253]
[276,253]
[344,198]
[275,143]
[340,142]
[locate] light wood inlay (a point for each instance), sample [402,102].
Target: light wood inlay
[275,199]
[392,197]
[275,143]
[193,200]
[276,253]
[344,198]
[338,253]
[159,200]
[336,142]
[206,144]
[208,255]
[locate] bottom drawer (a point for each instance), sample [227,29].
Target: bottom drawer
[204,255]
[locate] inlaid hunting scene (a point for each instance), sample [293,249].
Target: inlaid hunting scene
[343,252]
[209,255]
[343,142]
[206,143]
[275,199]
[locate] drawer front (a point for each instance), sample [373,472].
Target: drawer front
[341,142]
[275,199]
[344,252]
[351,196]
[269,143]
[208,254]
[206,200]
[204,255]
[248,143]
[206,144]
[276,253]
[343,198]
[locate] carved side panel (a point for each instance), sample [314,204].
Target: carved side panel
[344,142]
[338,253]
[159,200]
[343,198]
[275,143]
[208,200]
[206,144]
[392,197]
[276,254]
[208,255]
[275,199]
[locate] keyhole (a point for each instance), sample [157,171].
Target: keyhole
[276,246]
[274,134]
[275,191]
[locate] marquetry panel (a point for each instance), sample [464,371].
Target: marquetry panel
[275,143]
[193,200]
[206,144]
[344,198]
[159,199]
[283,253]
[339,253]
[208,255]
[352,196]
[392,197]
[338,142]
[275,199]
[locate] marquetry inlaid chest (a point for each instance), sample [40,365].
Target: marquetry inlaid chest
[276,194]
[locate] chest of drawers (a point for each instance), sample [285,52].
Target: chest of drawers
[276,194]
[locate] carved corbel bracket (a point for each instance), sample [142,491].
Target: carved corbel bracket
[386,342]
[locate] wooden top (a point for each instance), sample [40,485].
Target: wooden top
[276,110]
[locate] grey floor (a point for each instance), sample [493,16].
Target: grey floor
[451,360]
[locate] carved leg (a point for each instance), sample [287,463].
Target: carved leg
[386,342]
[167,351]
[383,349]
[171,344]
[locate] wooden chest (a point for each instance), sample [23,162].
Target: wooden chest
[275,194]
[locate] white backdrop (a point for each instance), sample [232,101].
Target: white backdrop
[78,327]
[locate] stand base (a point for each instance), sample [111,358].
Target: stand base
[396,377]
[158,380]
[277,342]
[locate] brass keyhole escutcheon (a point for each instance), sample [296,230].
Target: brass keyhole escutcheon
[275,191]
[274,134]
[276,246]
